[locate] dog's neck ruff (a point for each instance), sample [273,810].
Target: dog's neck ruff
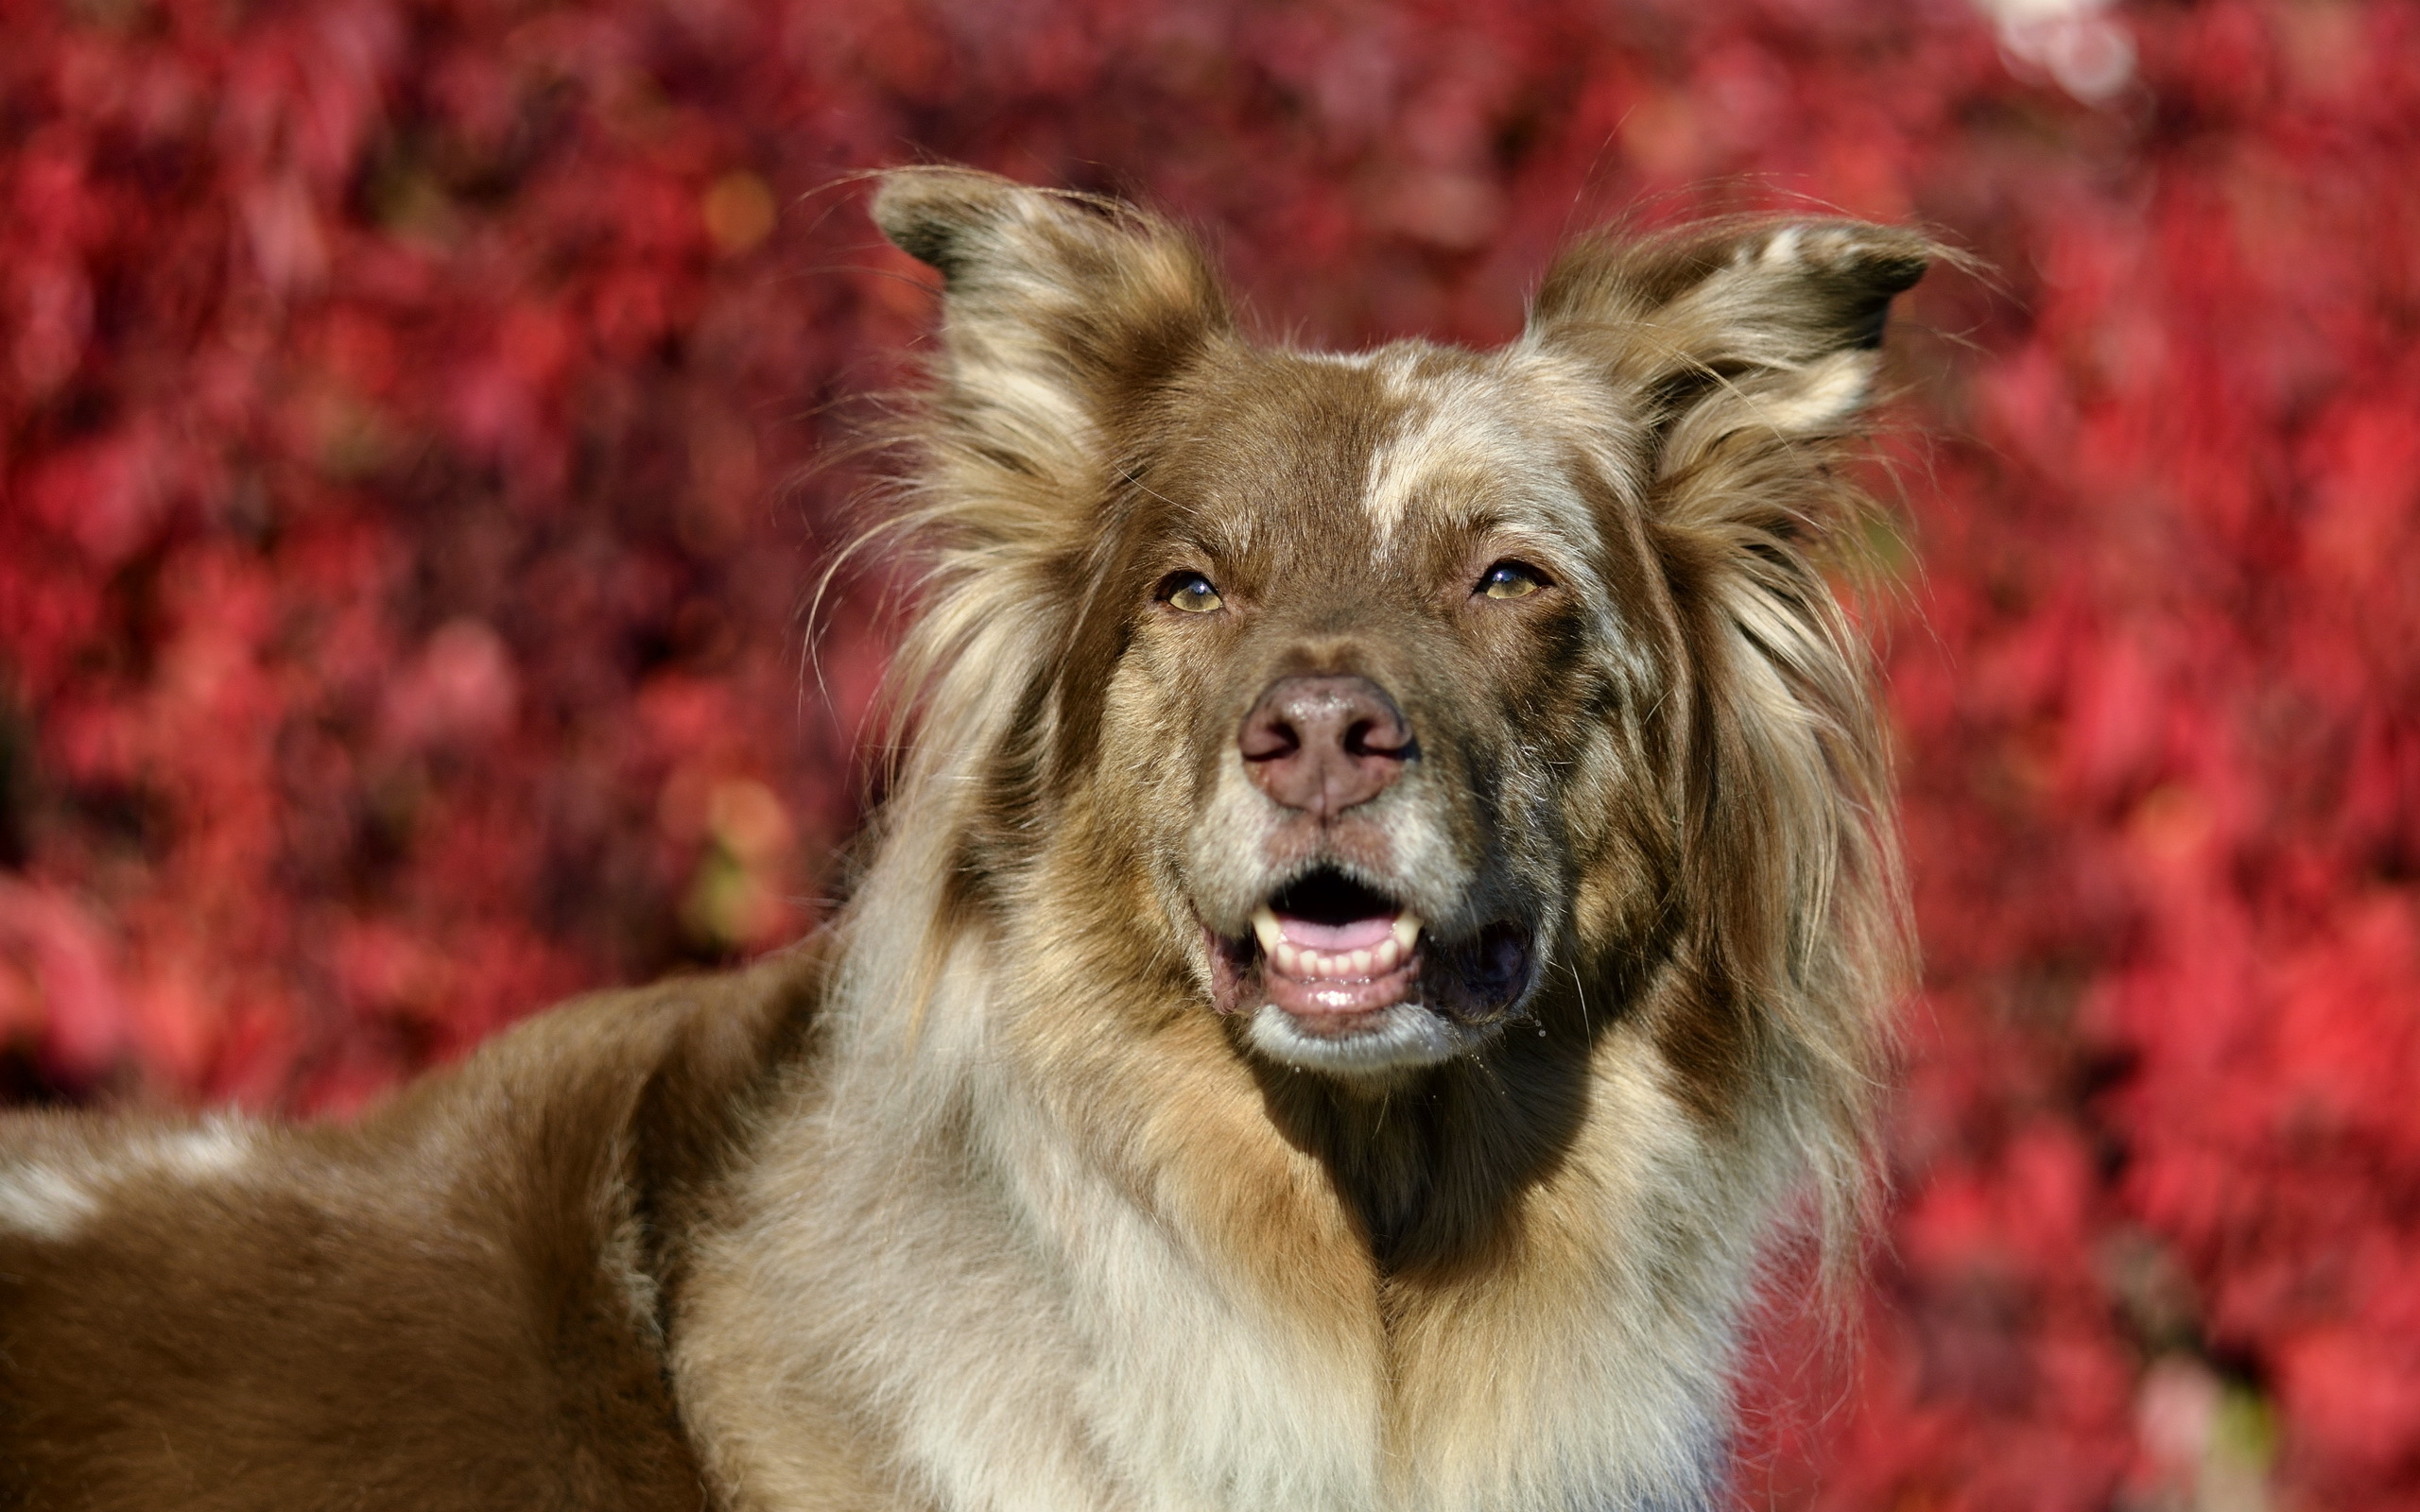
[1140,1265]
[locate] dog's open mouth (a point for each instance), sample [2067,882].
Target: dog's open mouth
[1337,972]
[1334,954]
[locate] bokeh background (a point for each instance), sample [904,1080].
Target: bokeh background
[423,422]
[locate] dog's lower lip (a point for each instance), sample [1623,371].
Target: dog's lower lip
[1333,1003]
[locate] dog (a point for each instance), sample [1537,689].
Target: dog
[1389,901]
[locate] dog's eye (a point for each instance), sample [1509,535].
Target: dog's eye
[1190,593]
[1512,579]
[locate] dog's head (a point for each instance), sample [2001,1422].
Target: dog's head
[1378,700]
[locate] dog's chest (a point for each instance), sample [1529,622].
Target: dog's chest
[1000,1322]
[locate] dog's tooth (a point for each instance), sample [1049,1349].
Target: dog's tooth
[1264,924]
[1360,963]
[1385,957]
[1408,928]
[1325,964]
[1290,960]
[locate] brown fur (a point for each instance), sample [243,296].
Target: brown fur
[443,1307]
[1003,1194]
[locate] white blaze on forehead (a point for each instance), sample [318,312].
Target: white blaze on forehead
[1462,423]
[1447,420]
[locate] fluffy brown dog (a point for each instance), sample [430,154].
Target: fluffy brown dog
[1392,894]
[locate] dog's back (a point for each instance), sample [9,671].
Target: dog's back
[453,1304]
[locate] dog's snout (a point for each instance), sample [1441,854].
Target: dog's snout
[1323,743]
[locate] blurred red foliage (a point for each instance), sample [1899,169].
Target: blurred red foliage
[405,545]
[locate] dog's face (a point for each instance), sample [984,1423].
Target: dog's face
[1367,710]
[1380,692]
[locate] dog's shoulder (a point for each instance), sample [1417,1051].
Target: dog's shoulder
[454,1301]
[655,1081]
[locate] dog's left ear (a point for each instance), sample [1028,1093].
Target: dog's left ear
[1059,312]
[1732,358]
[1739,340]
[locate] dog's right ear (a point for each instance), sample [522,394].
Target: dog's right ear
[1059,312]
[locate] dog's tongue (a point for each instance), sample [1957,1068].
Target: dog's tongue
[1352,935]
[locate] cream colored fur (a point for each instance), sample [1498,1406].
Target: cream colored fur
[1001,1298]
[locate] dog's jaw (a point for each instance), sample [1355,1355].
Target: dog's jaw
[1383,1043]
[1354,1019]
[1364,991]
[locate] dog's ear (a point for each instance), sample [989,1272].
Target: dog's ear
[1059,312]
[1733,359]
[1736,341]
[1065,319]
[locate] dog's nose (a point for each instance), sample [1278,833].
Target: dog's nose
[1323,745]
